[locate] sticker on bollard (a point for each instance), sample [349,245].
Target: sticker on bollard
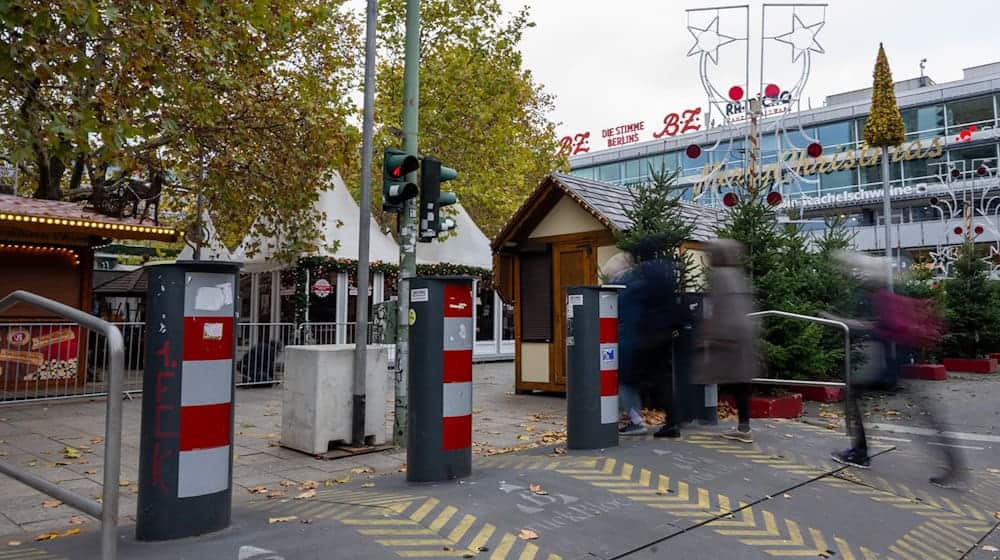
[185,465]
[592,367]
[439,445]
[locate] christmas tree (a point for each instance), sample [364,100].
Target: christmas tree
[969,307]
[884,126]
[656,215]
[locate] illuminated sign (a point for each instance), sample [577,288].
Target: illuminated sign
[800,163]
[688,120]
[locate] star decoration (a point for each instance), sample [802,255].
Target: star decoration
[709,40]
[802,38]
[942,258]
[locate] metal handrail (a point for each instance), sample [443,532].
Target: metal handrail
[821,321]
[107,511]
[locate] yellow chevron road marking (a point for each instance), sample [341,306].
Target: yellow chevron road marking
[27,554]
[654,491]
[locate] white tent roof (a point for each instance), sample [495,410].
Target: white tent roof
[467,245]
[341,223]
[213,249]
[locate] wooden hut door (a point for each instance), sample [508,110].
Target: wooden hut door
[572,266]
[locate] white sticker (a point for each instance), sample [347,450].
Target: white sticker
[569,311]
[419,294]
[570,341]
[576,299]
[212,298]
[212,331]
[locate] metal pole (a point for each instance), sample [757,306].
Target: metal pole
[887,215]
[198,226]
[408,217]
[112,446]
[364,237]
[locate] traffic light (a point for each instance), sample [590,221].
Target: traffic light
[432,174]
[395,189]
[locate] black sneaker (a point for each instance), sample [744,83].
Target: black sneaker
[852,458]
[668,432]
[949,480]
[632,429]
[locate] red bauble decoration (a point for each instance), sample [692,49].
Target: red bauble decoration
[730,199]
[736,93]
[693,151]
[956,173]
[958,230]
[982,170]
[979,230]
[772,91]
[815,149]
[774,198]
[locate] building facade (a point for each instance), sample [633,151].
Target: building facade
[951,147]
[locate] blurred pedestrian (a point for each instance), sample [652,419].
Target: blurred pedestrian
[727,337]
[883,318]
[620,269]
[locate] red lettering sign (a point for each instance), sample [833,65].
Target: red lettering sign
[163,376]
[572,145]
[674,124]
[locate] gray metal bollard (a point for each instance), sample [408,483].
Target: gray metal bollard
[439,439]
[695,402]
[186,442]
[592,367]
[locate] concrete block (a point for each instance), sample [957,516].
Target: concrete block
[318,396]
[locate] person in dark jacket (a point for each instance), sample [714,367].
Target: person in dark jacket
[621,270]
[660,314]
[727,337]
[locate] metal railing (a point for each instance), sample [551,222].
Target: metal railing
[829,322]
[107,510]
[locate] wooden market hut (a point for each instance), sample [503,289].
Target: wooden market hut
[47,247]
[563,235]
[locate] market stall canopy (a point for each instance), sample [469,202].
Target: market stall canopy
[339,228]
[467,245]
[212,250]
[22,217]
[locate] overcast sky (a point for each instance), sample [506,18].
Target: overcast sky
[613,62]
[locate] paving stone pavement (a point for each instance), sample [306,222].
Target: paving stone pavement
[36,435]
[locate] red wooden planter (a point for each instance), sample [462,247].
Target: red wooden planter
[782,406]
[995,356]
[968,365]
[930,372]
[822,394]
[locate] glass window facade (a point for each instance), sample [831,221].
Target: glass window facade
[976,111]
[923,122]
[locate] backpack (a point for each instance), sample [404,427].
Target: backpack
[907,321]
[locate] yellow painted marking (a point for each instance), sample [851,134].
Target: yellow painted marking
[402,522]
[644,477]
[609,466]
[423,510]
[627,471]
[844,549]
[392,532]
[482,537]
[431,553]
[929,546]
[506,543]
[463,526]
[412,542]
[868,555]
[929,533]
[906,555]
[444,517]
[529,552]
[663,483]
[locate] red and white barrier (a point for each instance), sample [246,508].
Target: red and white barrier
[206,401]
[608,314]
[456,423]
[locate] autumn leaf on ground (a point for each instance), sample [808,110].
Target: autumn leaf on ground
[13,543]
[90,472]
[306,495]
[77,520]
[342,480]
[276,494]
[287,483]
[523,437]
[71,453]
[362,470]
[48,536]
[402,468]
[559,451]
[309,485]
[537,489]
[527,535]
[124,482]
[32,463]
[51,504]
[97,440]
[530,429]
[134,489]
[368,485]
[257,490]
[286,519]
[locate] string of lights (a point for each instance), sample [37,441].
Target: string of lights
[88,224]
[42,249]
